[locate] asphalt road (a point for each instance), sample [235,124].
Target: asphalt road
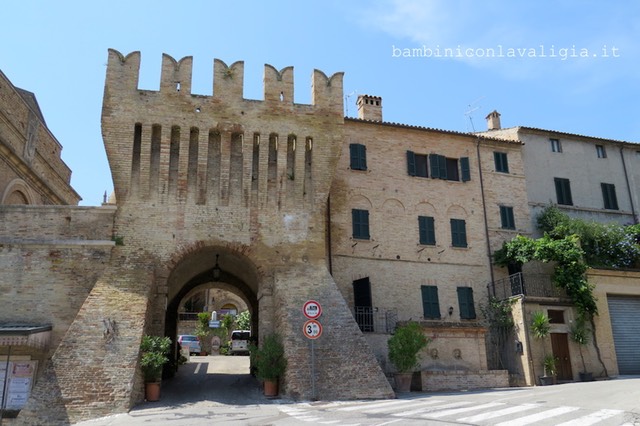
[218,390]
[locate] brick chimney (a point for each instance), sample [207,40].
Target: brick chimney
[493,120]
[369,107]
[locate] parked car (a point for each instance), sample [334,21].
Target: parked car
[190,341]
[240,342]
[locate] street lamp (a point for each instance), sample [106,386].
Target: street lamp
[216,269]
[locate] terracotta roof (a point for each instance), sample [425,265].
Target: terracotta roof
[575,135]
[431,129]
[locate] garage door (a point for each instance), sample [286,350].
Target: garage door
[624,313]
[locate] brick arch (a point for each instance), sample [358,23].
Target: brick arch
[425,209]
[192,266]
[360,202]
[457,211]
[393,207]
[17,192]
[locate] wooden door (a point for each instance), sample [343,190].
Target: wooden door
[560,347]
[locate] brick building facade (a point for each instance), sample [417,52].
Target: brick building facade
[277,203]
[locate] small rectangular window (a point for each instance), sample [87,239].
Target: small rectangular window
[417,164]
[609,196]
[452,169]
[600,151]
[358,153]
[563,191]
[430,302]
[555,145]
[427,230]
[500,159]
[556,316]
[506,217]
[458,233]
[360,223]
[465,303]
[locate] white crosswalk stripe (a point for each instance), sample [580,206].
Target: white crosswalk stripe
[493,414]
[431,408]
[454,411]
[414,405]
[534,418]
[427,408]
[593,418]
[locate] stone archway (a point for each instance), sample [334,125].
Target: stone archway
[211,266]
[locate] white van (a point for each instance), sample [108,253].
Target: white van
[240,342]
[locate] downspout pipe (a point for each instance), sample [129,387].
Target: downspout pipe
[484,210]
[626,178]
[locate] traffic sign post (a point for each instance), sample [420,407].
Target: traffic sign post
[312,329]
[312,309]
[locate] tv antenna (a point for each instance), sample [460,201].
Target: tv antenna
[346,100]
[472,107]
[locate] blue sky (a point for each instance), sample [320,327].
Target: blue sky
[58,50]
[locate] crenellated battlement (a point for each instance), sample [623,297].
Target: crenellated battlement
[172,146]
[228,80]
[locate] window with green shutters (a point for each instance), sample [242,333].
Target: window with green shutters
[427,230]
[465,303]
[563,191]
[458,233]
[358,154]
[360,223]
[506,217]
[609,196]
[500,159]
[448,169]
[430,303]
[417,164]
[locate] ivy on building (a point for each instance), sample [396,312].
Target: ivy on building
[575,245]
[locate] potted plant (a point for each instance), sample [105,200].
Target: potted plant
[540,328]
[203,332]
[580,335]
[404,346]
[155,350]
[269,362]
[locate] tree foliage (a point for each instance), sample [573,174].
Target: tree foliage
[404,346]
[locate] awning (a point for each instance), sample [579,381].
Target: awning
[35,336]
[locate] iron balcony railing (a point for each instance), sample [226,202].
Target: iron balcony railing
[188,316]
[533,285]
[375,320]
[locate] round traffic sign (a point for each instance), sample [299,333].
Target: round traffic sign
[312,309]
[312,329]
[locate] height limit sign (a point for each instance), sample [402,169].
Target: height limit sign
[312,309]
[312,328]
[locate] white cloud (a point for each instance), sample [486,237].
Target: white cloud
[480,26]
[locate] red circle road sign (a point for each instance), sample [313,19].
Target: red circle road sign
[312,329]
[312,309]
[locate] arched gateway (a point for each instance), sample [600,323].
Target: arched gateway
[200,178]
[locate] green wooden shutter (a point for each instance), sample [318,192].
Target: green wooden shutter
[464,167]
[411,163]
[353,154]
[430,303]
[465,302]
[433,164]
[458,233]
[358,156]
[442,164]
[427,231]
[360,223]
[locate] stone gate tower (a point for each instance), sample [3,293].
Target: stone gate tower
[225,190]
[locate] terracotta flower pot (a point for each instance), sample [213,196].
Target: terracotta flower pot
[271,388]
[403,382]
[152,391]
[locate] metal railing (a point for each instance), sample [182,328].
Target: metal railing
[375,320]
[534,285]
[188,316]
